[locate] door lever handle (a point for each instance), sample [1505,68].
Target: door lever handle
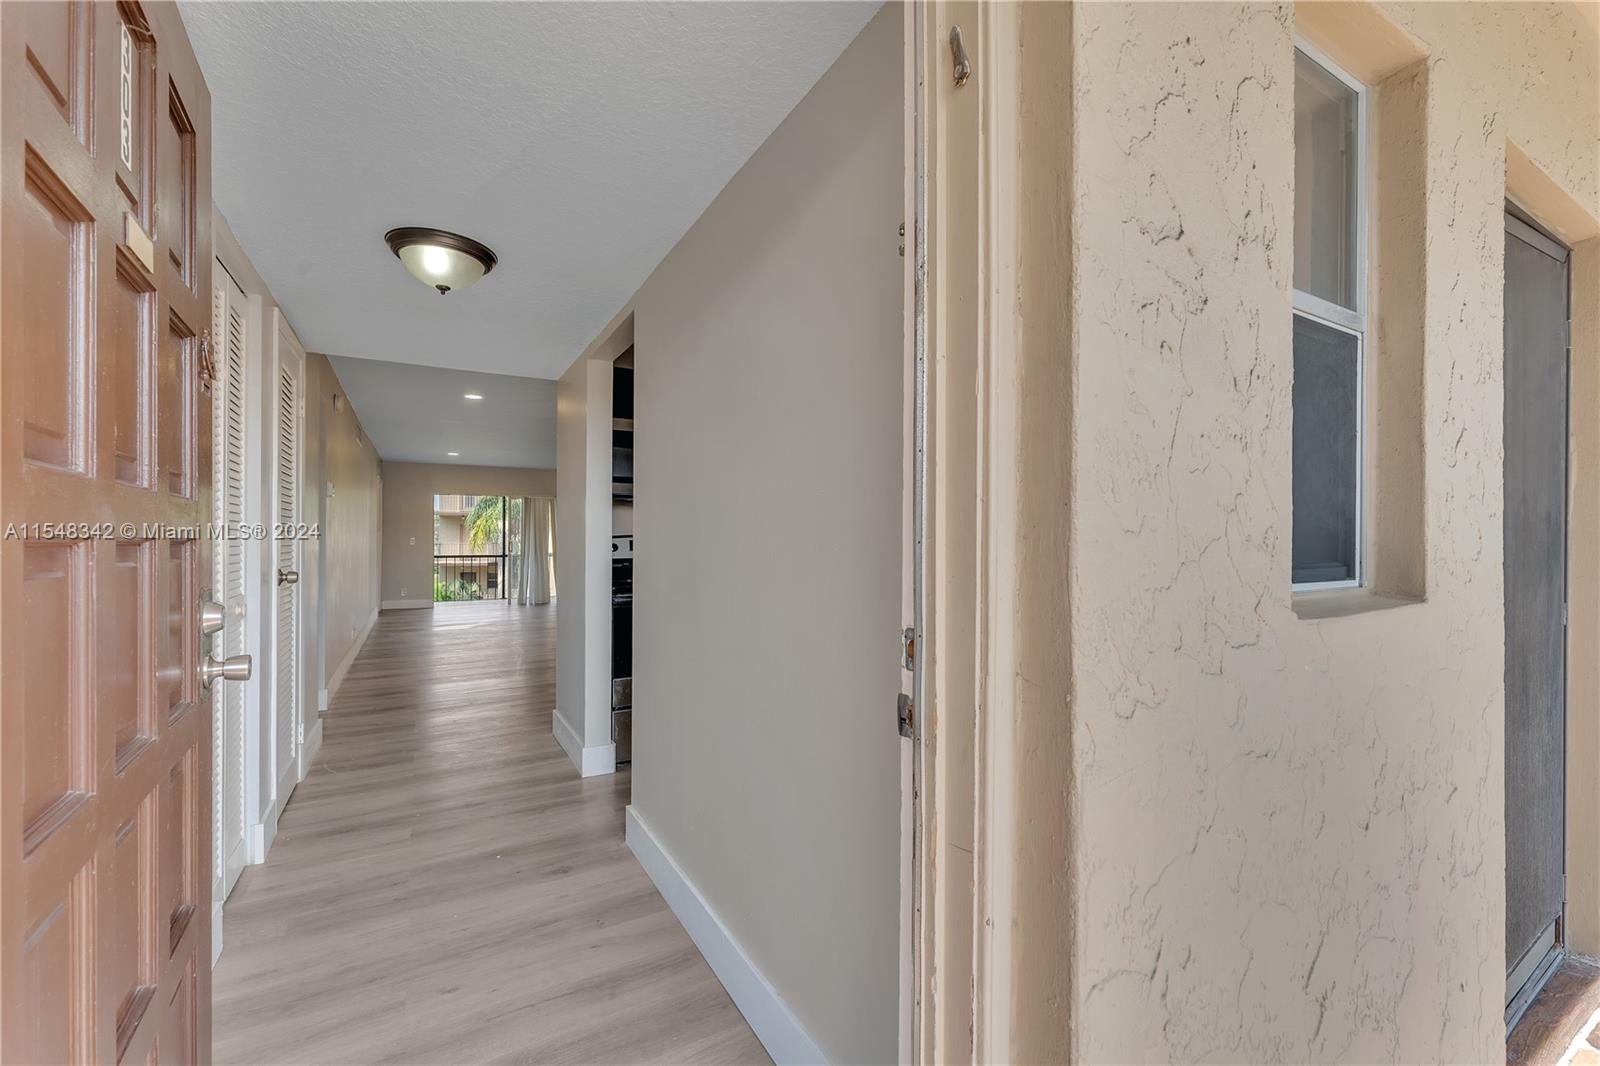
[233,668]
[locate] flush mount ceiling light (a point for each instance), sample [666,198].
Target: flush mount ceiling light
[471,396]
[444,260]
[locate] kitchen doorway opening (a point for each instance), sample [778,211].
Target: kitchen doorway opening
[622,556]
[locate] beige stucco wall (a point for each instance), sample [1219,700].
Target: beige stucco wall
[408,491]
[1288,835]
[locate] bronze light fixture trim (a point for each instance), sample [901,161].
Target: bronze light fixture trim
[440,258]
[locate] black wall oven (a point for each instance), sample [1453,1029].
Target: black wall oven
[622,647]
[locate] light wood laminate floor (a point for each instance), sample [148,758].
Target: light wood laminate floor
[445,889]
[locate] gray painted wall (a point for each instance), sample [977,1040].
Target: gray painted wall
[768,422]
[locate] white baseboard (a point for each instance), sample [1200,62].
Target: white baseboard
[592,761]
[775,1025]
[567,738]
[598,760]
[287,783]
[238,859]
[216,933]
[405,605]
[309,749]
[327,694]
[261,836]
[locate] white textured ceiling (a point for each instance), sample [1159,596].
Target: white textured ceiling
[419,414]
[578,140]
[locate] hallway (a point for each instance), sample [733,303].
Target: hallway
[444,888]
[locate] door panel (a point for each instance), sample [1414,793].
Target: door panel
[1535,599]
[286,561]
[104,483]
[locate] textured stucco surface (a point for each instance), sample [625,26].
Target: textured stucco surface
[1290,831]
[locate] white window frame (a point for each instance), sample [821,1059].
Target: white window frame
[1354,322]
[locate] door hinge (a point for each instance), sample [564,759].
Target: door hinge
[908,649]
[902,240]
[906,715]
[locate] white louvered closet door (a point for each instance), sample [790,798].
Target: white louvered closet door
[228,584]
[287,712]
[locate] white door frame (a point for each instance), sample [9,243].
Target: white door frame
[262,321]
[258,595]
[989,939]
[230,856]
[912,479]
[942,433]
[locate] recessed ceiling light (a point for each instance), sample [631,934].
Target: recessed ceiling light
[439,258]
[452,453]
[473,396]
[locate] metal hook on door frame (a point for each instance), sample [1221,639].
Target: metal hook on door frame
[958,54]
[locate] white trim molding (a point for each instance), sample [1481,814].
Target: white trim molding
[591,762]
[216,932]
[775,1025]
[262,834]
[327,694]
[567,738]
[309,748]
[406,605]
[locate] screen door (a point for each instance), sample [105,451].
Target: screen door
[1535,607]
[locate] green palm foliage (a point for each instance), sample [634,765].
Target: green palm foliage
[448,591]
[483,522]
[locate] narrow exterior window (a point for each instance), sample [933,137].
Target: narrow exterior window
[1329,323]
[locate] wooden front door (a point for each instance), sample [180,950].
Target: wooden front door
[105,469]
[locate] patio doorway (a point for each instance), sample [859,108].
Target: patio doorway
[473,546]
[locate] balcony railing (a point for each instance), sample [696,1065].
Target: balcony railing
[471,577]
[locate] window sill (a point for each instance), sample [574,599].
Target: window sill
[1318,604]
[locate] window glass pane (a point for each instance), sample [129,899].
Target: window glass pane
[1326,412]
[1325,222]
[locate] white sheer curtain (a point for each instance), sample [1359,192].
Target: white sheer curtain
[533,585]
